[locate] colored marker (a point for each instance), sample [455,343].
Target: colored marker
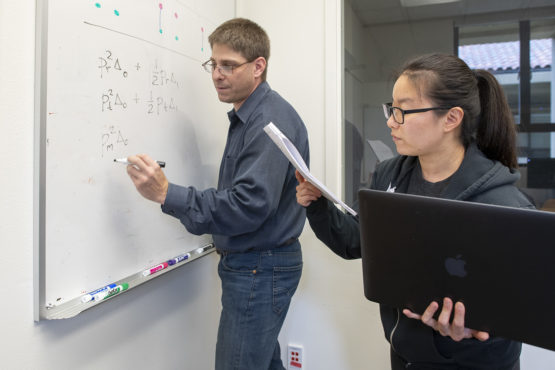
[154,269]
[101,295]
[125,161]
[120,288]
[91,296]
[178,259]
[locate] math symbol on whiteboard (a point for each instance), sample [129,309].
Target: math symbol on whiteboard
[112,139]
[162,77]
[111,100]
[159,104]
[107,62]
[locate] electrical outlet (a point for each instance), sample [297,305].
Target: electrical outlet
[295,358]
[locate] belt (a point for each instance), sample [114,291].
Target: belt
[287,242]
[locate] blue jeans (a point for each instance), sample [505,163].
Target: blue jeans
[257,288]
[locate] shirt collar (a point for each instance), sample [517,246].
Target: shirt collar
[250,104]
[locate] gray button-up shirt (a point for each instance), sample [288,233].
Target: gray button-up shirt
[254,206]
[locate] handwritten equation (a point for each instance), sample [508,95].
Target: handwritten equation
[160,84]
[112,138]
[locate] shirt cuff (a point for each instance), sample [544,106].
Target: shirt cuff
[176,200]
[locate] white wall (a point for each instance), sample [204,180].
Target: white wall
[170,322]
[329,316]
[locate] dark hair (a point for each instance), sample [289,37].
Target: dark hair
[448,81]
[245,37]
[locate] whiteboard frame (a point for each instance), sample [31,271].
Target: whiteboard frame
[39,175]
[41,309]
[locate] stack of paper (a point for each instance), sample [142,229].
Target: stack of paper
[291,152]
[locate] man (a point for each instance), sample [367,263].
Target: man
[252,215]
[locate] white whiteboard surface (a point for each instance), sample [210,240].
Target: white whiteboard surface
[121,77]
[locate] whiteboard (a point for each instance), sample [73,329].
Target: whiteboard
[120,77]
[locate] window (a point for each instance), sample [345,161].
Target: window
[495,48]
[520,55]
[542,93]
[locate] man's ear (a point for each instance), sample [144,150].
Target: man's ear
[454,118]
[259,66]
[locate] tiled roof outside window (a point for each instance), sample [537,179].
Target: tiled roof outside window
[503,57]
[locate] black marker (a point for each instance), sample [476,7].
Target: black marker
[125,161]
[205,248]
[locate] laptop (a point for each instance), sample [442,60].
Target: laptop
[499,261]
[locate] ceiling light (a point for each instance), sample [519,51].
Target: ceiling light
[409,3]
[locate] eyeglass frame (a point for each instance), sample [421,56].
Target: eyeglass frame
[215,66]
[388,111]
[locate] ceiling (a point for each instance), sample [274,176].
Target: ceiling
[373,12]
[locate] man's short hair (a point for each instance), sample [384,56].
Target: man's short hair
[245,37]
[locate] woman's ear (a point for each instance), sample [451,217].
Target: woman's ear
[454,118]
[259,66]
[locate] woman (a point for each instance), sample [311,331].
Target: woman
[456,138]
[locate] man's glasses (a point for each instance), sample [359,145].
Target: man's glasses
[227,70]
[399,114]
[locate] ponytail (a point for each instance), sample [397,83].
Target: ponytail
[488,121]
[496,131]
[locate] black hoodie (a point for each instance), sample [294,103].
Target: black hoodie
[478,179]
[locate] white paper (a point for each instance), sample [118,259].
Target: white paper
[291,152]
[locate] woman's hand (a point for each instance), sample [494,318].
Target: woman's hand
[454,329]
[306,192]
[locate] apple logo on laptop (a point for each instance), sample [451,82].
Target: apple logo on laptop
[455,266]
